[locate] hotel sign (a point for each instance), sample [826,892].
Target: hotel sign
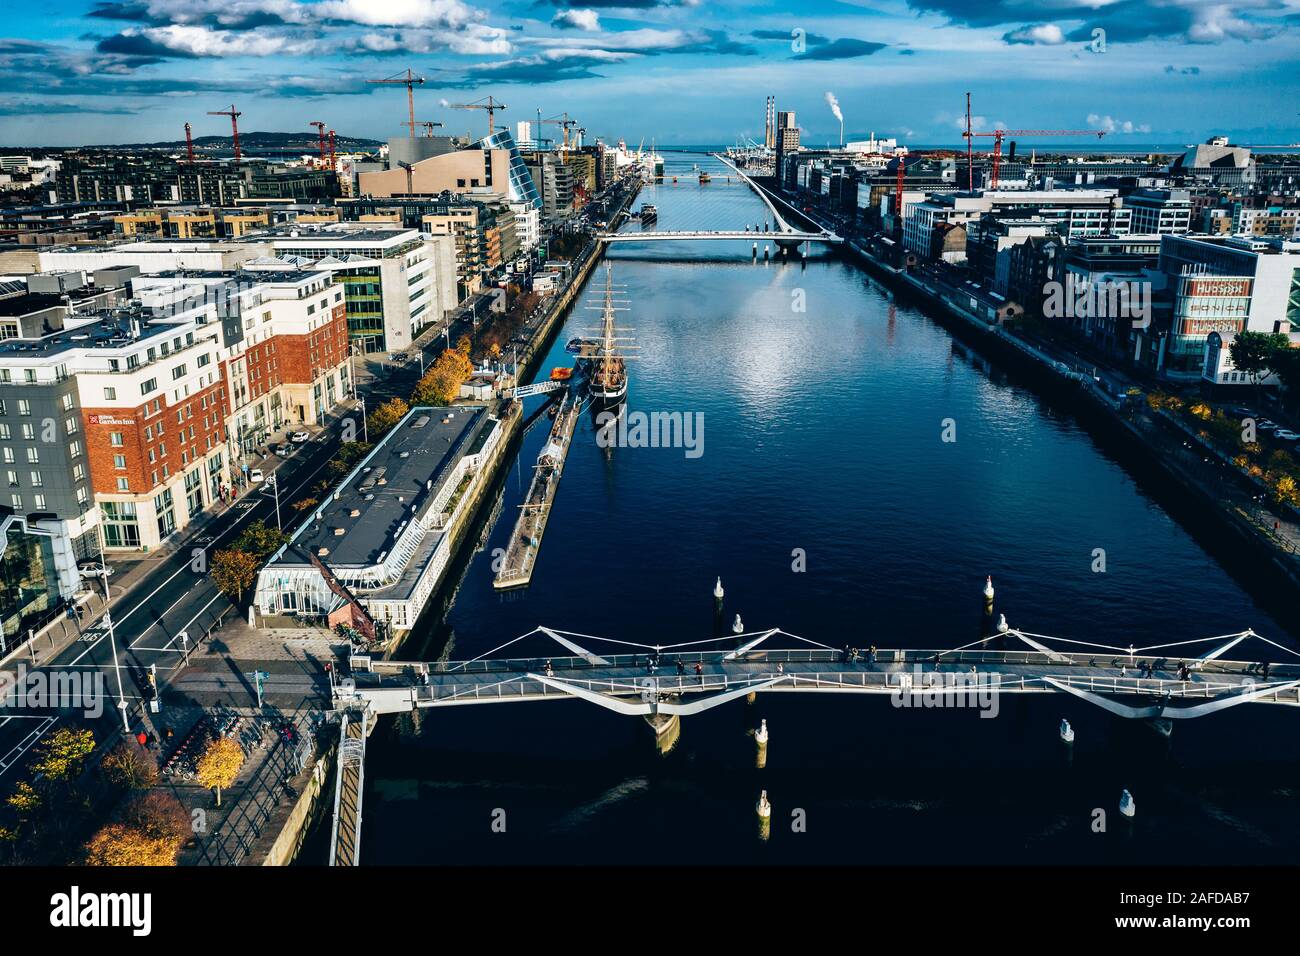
[110,420]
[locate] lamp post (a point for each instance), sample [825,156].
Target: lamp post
[365,430]
[112,643]
[275,489]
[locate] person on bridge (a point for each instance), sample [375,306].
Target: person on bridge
[550,671]
[699,672]
[871,656]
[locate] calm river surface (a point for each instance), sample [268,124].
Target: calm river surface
[822,432]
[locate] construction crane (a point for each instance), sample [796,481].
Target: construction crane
[234,115]
[566,124]
[189,144]
[410,178]
[332,165]
[410,81]
[320,131]
[488,104]
[999,134]
[426,126]
[898,195]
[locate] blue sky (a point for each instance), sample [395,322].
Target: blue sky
[679,71]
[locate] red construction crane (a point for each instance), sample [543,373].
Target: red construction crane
[489,104]
[410,81]
[234,115]
[320,132]
[999,134]
[189,144]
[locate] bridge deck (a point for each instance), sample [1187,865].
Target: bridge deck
[394,686]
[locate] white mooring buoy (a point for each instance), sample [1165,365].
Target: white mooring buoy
[764,809]
[1067,732]
[737,627]
[1126,804]
[717,590]
[761,734]
[988,588]
[1003,626]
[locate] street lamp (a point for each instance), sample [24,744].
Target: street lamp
[112,643]
[365,431]
[275,489]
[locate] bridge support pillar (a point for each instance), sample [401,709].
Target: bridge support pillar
[760,737]
[787,244]
[667,729]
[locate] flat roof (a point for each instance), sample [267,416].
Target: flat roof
[109,330]
[29,302]
[392,481]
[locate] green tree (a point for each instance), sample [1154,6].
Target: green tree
[234,571]
[1254,352]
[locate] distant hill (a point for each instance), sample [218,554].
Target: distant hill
[255,140]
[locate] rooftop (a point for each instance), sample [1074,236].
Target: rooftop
[374,504]
[107,329]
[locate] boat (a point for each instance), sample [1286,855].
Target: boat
[601,358]
[705,177]
[648,213]
[561,373]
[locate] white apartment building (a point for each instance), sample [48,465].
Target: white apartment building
[1078,212]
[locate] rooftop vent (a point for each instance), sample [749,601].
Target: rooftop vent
[338,532]
[321,552]
[420,422]
[354,513]
[405,454]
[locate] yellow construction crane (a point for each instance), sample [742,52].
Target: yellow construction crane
[488,104]
[410,81]
[566,124]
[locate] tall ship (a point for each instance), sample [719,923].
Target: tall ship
[601,358]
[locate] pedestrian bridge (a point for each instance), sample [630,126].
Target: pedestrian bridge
[675,680]
[790,237]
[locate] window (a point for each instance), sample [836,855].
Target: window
[40,503]
[74,449]
[18,502]
[29,431]
[33,456]
[115,439]
[67,402]
[178,372]
[121,529]
[70,426]
[12,477]
[149,386]
[37,481]
[24,407]
[29,375]
[119,462]
[79,472]
[5,434]
[123,484]
[164,508]
[110,394]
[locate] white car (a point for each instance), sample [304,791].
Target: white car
[93,569]
[255,475]
[299,437]
[1285,434]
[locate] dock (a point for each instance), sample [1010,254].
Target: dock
[526,539]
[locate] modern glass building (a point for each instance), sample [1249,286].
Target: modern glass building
[522,187]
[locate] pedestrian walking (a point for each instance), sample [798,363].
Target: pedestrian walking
[699,672]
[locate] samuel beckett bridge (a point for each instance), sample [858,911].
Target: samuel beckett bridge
[786,236]
[662,683]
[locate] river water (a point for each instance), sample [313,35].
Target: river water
[828,502]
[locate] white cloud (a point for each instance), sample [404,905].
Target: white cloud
[1040,34]
[400,13]
[576,20]
[1108,124]
[200,41]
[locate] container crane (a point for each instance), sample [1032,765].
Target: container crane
[320,131]
[999,134]
[234,115]
[410,81]
[489,104]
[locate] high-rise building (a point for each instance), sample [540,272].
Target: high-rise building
[769,140]
[787,140]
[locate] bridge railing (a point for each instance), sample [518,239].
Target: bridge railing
[942,659]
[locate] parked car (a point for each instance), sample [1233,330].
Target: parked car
[1285,434]
[93,569]
[255,475]
[299,437]
[1265,425]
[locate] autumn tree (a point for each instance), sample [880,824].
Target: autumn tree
[129,767]
[464,345]
[220,765]
[259,539]
[159,814]
[386,416]
[234,571]
[118,844]
[63,753]
[441,384]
